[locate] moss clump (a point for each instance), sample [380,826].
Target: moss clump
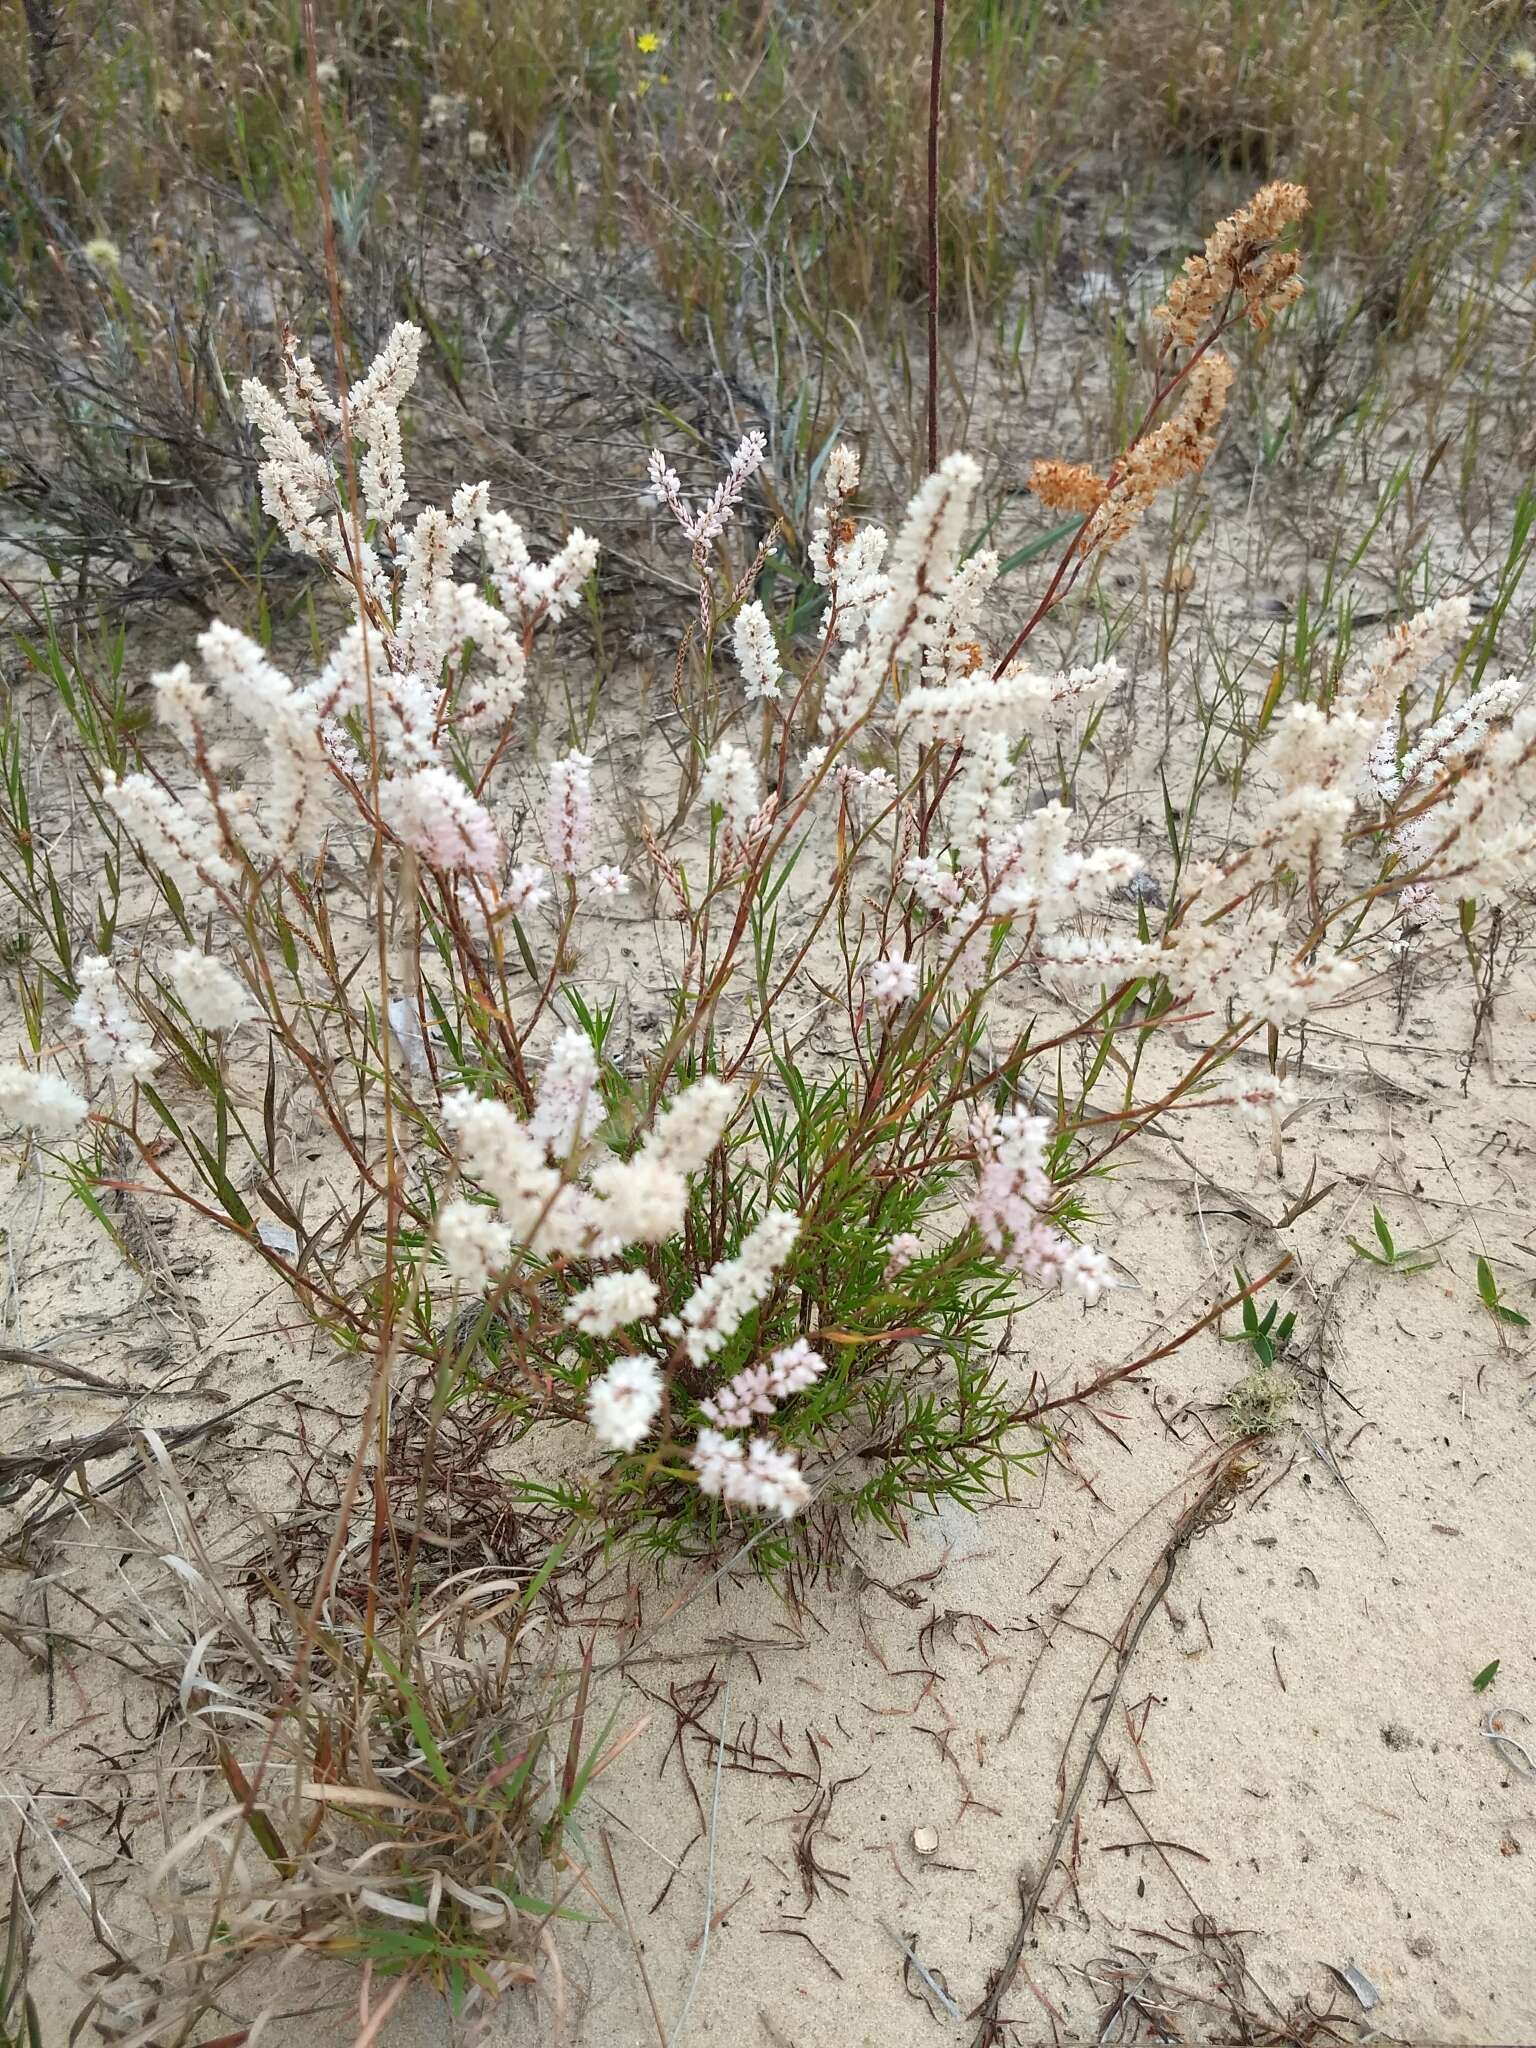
[1260,1403]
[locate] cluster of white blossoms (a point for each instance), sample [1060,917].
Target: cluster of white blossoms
[730,782]
[432,812]
[569,1108]
[758,1389]
[112,1036]
[1318,755]
[428,658]
[556,1192]
[1261,1100]
[1485,830]
[610,1301]
[704,524]
[44,1104]
[1027,871]
[713,1313]
[1020,703]
[912,606]
[1456,808]
[901,1251]
[847,560]
[528,1167]
[213,997]
[1245,965]
[757,654]
[893,981]
[909,610]
[568,814]
[1238,956]
[1013,1195]
[623,1403]
[198,837]
[1449,743]
[905,616]
[867,791]
[760,1476]
[114,1039]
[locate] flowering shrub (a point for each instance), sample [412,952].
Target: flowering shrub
[759,1267]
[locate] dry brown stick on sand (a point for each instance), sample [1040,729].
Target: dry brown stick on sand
[59,1460]
[46,1361]
[1217,1489]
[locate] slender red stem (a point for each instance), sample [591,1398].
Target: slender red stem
[935,89]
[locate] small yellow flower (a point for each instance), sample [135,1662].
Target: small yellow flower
[727,96]
[647,44]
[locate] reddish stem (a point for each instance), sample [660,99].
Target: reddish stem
[935,84]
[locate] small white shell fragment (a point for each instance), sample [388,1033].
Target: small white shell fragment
[925,1840]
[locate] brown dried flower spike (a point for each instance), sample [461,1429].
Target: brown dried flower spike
[1239,258]
[1240,263]
[1180,447]
[1066,486]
